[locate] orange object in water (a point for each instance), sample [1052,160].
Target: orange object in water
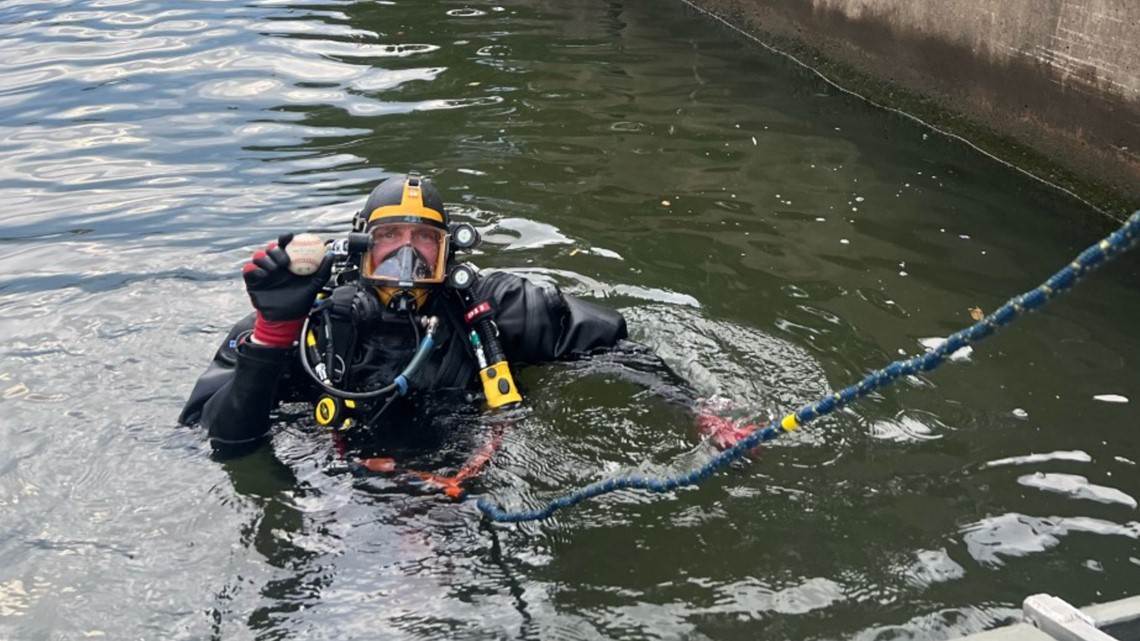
[380,465]
[450,486]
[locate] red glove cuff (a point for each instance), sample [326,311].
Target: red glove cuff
[276,333]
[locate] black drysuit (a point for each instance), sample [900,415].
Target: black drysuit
[246,381]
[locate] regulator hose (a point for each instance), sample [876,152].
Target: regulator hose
[399,384]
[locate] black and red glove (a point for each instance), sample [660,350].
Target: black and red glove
[282,299]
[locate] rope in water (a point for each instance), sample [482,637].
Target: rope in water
[1113,245]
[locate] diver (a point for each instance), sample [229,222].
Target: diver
[388,318]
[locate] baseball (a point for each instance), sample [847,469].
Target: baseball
[306,252]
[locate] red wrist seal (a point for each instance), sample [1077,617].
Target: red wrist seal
[276,333]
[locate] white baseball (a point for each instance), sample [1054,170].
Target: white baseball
[306,252]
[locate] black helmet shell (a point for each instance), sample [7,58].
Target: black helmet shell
[391,192]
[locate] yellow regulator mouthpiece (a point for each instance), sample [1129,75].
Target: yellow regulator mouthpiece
[335,413]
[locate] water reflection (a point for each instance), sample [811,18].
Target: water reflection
[991,540]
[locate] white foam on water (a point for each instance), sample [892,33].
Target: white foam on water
[932,343]
[1077,487]
[1076,456]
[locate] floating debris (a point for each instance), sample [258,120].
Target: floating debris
[605,253]
[976,313]
[1111,398]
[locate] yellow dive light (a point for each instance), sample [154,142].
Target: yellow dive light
[499,386]
[494,370]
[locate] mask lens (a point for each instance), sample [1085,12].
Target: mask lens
[406,252]
[404,265]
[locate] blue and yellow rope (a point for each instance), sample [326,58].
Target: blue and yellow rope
[1115,244]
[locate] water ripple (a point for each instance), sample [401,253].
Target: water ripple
[993,539]
[1077,487]
[1030,459]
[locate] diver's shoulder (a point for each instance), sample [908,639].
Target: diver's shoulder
[503,279]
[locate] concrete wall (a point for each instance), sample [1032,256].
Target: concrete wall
[1059,76]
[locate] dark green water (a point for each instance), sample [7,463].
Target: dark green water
[773,238]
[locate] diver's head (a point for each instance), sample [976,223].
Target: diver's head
[408,227]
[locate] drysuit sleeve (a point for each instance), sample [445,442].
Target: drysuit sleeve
[234,396]
[539,324]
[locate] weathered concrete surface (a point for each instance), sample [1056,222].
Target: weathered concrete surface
[1061,77]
